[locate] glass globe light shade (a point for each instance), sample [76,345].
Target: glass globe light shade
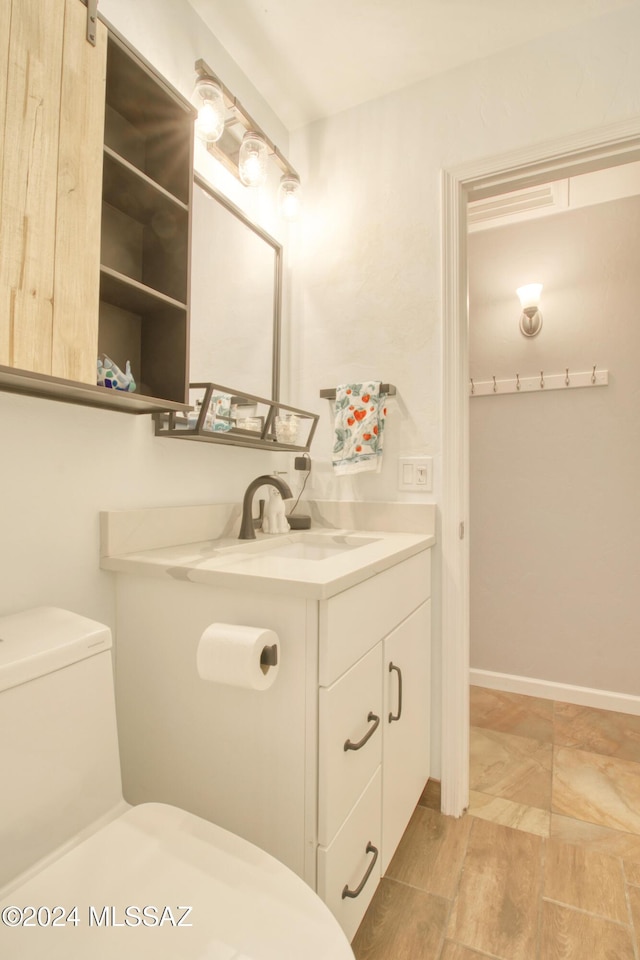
[529,295]
[530,318]
[252,163]
[289,197]
[209,100]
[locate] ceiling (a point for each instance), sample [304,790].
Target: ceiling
[311,59]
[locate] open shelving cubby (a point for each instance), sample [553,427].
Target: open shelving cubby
[144,272]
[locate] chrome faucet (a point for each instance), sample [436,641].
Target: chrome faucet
[247,531]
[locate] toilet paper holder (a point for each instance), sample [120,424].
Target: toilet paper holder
[269,657]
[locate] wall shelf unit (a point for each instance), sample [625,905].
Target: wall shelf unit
[245,409]
[146,198]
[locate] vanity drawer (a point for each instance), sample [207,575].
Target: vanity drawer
[350,714]
[353,856]
[354,620]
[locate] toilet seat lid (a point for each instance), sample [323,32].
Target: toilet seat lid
[245,905]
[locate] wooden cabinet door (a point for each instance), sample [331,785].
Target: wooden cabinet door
[52,103]
[405,745]
[76,289]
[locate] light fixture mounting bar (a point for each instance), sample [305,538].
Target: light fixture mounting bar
[228,156]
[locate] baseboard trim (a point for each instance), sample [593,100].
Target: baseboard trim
[549,690]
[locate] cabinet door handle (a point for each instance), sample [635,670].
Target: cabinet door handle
[371,718]
[358,890]
[396,716]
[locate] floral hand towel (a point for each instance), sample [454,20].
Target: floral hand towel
[359,427]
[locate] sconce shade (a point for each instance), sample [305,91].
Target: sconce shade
[529,294]
[530,318]
[209,101]
[252,163]
[289,197]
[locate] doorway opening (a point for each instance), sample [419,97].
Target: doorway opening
[583,153]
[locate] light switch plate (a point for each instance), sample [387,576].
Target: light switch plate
[415,473]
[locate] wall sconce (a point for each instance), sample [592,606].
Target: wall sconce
[530,318]
[209,101]
[289,196]
[244,149]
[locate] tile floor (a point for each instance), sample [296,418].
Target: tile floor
[545,866]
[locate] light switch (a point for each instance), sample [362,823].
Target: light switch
[415,473]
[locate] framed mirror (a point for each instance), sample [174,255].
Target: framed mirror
[236,297]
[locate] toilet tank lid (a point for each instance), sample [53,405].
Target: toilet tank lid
[39,641]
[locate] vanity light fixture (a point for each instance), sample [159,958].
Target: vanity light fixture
[252,160]
[209,102]
[243,148]
[289,196]
[530,318]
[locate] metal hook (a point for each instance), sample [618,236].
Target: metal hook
[593,375]
[542,379]
[566,378]
[473,386]
[517,381]
[495,388]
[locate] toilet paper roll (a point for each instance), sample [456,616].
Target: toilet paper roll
[239,656]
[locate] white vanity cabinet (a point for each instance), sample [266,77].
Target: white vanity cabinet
[324,768]
[373,744]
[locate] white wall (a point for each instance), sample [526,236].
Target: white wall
[366,297]
[367,302]
[62,464]
[555,477]
[367,274]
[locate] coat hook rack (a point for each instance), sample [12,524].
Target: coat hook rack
[555,381]
[386,388]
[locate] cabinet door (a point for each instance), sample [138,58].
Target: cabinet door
[76,289]
[50,184]
[405,746]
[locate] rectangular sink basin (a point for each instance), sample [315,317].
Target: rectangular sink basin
[313,551]
[307,547]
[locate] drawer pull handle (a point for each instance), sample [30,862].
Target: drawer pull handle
[358,890]
[371,718]
[396,716]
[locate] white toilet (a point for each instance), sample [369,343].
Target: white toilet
[83,874]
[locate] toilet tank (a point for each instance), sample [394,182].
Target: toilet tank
[59,760]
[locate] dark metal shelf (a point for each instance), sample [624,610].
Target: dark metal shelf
[174,428]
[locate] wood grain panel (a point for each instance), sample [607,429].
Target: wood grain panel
[77,247]
[401,924]
[585,879]
[632,873]
[616,843]
[453,951]
[573,935]
[5,27]
[431,852]
[29,182]
[496,910]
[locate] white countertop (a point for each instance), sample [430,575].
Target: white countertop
[248,565]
